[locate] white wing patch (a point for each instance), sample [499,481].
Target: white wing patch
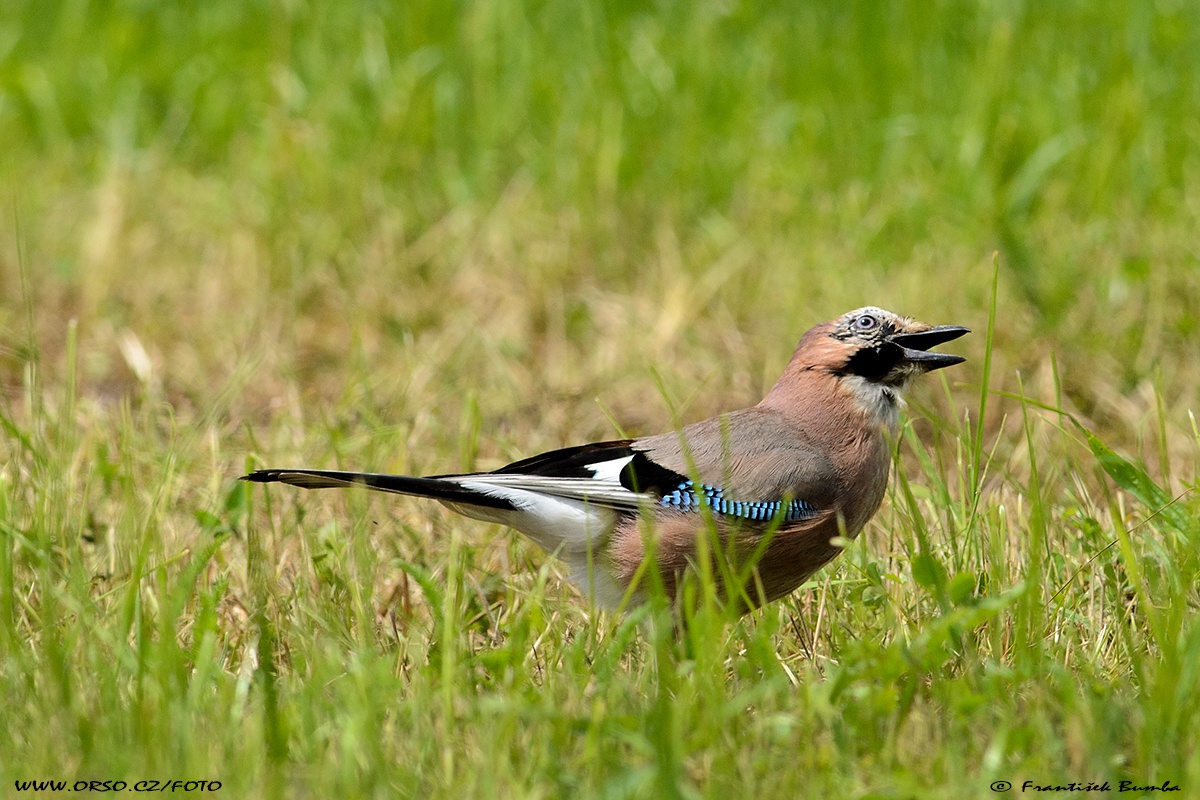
[610,470]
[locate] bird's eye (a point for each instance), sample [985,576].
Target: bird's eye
[866,323]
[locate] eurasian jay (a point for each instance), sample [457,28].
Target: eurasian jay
[780,482]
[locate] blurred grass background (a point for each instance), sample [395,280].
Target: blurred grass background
[429,236]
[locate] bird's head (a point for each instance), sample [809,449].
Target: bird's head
[882,347]
[872,352]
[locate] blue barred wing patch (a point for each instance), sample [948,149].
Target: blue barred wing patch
[687,497]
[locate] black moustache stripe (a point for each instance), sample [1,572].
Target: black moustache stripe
[874,363]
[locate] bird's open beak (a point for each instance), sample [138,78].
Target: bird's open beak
[914,346]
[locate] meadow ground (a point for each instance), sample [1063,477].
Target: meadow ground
[426,236]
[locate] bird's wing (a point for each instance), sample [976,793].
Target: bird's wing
[591,473]
[754,456]
[751,464]
[748,465]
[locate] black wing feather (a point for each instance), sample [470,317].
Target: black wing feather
[569,462]
[641,475]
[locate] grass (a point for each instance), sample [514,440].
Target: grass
[424,237]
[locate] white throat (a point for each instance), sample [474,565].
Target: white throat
[880,403]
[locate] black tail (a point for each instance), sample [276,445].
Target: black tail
[437,488]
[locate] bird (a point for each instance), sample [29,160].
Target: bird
[778,487]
